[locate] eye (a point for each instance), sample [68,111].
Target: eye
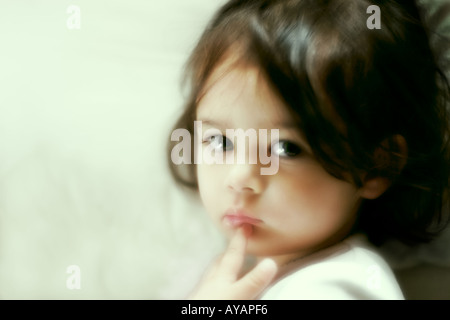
[219,142]
[286,149]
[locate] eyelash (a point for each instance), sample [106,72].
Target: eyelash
[211,139]
[229,146]
[291,154]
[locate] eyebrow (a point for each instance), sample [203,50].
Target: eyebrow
[225,124]
[213,123]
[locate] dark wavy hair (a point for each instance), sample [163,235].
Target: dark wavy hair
[351,90]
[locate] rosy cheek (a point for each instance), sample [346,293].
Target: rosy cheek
[307,180]
[210,179]
[310,190]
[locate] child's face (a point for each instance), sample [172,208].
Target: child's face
[298,210]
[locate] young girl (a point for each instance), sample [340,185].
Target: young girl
[362,147]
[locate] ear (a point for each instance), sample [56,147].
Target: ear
[391,154]
[374,187]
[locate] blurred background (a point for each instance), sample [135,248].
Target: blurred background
[89,91]
[85,115]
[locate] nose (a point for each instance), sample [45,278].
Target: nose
[245,178]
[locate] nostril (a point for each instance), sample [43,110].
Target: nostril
[244,190]
[244,179]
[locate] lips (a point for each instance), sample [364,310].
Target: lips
[236,218]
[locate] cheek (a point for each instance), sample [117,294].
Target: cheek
[314,195]
[208,174]
[203,179]
[307,179]
[210,181]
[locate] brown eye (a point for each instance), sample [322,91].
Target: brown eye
[286,149]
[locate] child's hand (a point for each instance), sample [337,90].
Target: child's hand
[222,281]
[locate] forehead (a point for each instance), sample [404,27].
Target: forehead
[240,93]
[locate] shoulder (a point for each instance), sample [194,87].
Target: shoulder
[349,270]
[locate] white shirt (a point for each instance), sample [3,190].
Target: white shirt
[350,269]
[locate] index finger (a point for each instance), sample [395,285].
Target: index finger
[233,258]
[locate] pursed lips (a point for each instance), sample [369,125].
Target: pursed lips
[236,218]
